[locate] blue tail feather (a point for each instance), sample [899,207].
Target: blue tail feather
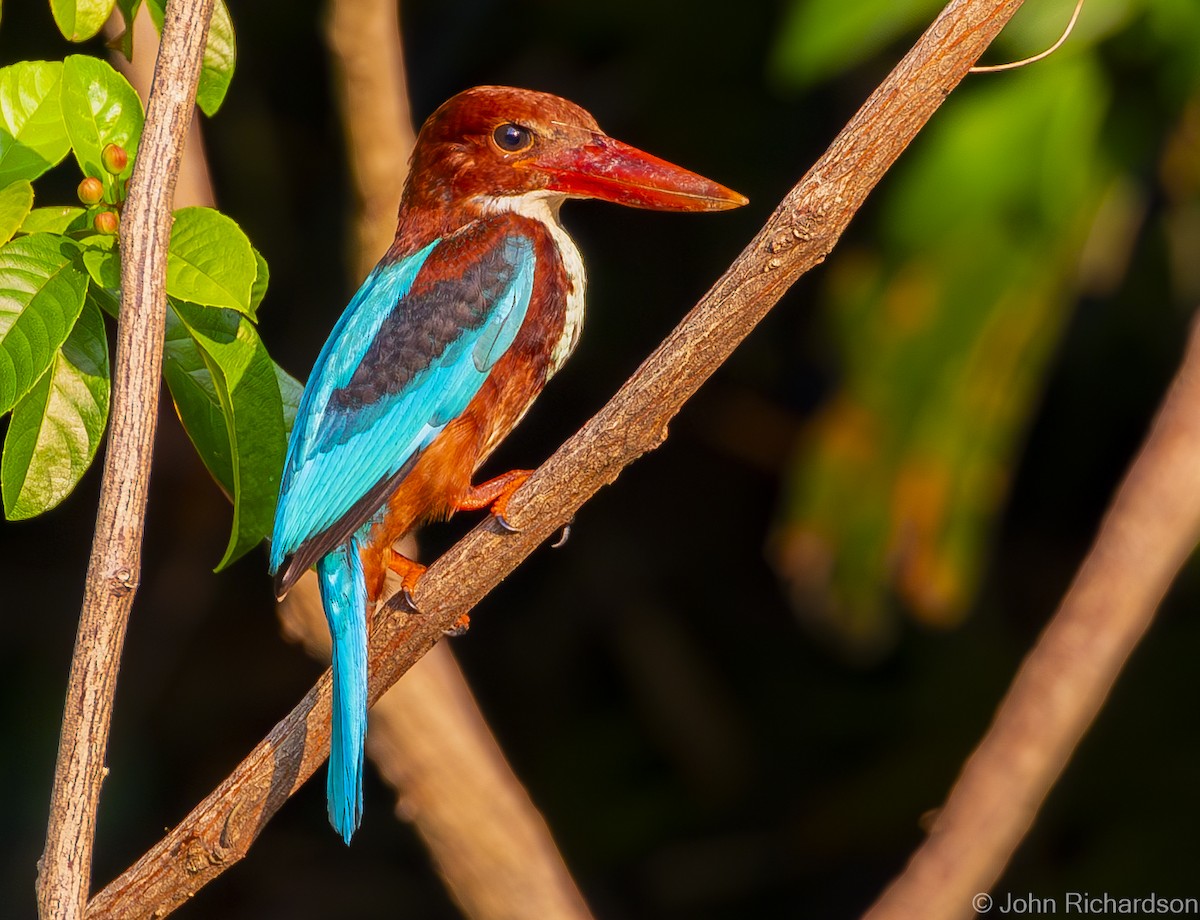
[344,597]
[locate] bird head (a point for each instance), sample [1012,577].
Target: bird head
[497,142]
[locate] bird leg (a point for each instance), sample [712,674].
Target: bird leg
[494,494]
[410,573]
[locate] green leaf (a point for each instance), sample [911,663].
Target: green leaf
[220,55]
[53,220]
[79,20]
[243,377]
[157,9]
[16,201]
[262,278]
[290,391]
[32,134]
[210,261]
[104,299]
[57,426]
[220,58]
[196,400]
[41,296]
[99,108]
[101,258]
[124,41]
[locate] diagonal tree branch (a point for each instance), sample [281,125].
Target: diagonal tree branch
[803,229]
[64,873]
[1148,533]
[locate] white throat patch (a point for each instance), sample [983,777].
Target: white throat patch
[543,207]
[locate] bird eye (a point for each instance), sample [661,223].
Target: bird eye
[512,138]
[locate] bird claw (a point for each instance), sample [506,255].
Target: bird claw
[503,523]
[408,603]
[564,536]
[459,627]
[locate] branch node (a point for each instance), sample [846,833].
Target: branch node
[121,582]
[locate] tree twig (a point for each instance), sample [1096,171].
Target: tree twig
[64,874]
[798,235]
[1148,532]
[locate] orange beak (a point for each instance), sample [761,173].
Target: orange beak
[605,168]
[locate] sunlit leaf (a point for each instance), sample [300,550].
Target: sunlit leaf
[99,108]
[32,134]
[243,378]
[262,278]
[53,220]
[57,426]
[157,9]
[41,296]
[16,201]
[220,57]
[124,41]
[102,259]
[79,20]
[210,261]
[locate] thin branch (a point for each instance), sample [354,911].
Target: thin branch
[64,874]
[799,234]
[1040,56]
[1148,533]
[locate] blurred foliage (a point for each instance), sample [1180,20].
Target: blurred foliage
[1016,201]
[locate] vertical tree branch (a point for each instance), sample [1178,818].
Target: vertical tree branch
[364,36]
[1149,531]
[64,874]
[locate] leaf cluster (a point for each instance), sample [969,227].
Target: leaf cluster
[60,273]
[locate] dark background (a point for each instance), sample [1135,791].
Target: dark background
[695,751]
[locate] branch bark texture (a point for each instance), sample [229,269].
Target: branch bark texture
[1148,533]
[798,235]
[64,874]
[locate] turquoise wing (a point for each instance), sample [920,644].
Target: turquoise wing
[410,352]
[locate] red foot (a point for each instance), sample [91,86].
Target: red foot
[495,494]
[410,573]
[459,626]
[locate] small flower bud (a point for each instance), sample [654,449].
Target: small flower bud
[114,158]
[91,190]
[107,222]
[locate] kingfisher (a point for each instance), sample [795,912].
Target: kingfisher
[473,308]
